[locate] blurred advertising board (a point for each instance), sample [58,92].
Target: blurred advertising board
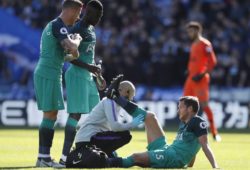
[230,114]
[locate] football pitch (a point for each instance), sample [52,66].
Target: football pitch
[19,147]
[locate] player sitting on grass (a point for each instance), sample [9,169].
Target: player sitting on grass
[191,136]
[102,129]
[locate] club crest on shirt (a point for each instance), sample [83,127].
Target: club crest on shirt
[203,125]
[63,30]
[208,49]
[179,136]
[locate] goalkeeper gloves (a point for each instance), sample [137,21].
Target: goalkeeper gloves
[198,77]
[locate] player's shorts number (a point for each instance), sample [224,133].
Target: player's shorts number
[159,156]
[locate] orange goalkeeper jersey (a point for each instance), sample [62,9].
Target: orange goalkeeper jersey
[202,57]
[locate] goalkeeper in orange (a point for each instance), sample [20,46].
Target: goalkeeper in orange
[202,61]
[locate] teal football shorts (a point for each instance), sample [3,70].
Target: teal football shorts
[48,93]
[162,155]
[82,94]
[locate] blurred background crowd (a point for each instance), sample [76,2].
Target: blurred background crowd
[145,40]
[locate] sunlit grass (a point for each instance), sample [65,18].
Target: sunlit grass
[19,148]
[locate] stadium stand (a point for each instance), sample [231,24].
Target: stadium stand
[144,39]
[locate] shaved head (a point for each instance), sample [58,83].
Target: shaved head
[127,88]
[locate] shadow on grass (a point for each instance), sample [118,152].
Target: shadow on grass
[18,167]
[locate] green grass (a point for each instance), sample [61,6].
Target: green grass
[18,149]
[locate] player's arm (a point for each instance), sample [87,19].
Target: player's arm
[200,130]
[90,67]
[95,69]
[69,44]
[77,29]
[212,61]
[191,164]
[112,117]
[209,53]
[207,150]
[100,82]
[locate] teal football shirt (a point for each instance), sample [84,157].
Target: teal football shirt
[86,49]
[51,52]
[48,72]
[186,143]
[82,93]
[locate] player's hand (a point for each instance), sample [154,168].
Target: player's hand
[69,57]
[198,77]
[137,121]
[76,39]
[100,82]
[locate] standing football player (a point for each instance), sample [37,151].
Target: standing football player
[48,74]
[202,60]
[82,93]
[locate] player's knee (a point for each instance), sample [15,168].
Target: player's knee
[75,116]
[52,115]
[150,116]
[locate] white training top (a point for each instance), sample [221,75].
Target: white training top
[103,117]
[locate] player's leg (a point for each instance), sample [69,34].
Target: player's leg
[153,128]
[156,140]
[50,100]
[159,155]
[139,159]
[210,117]
[82,96]
[110,141]
[46,134]
[76,100]
[152,125]
[69,134]
[188,87]
[153,158]
[202,92]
